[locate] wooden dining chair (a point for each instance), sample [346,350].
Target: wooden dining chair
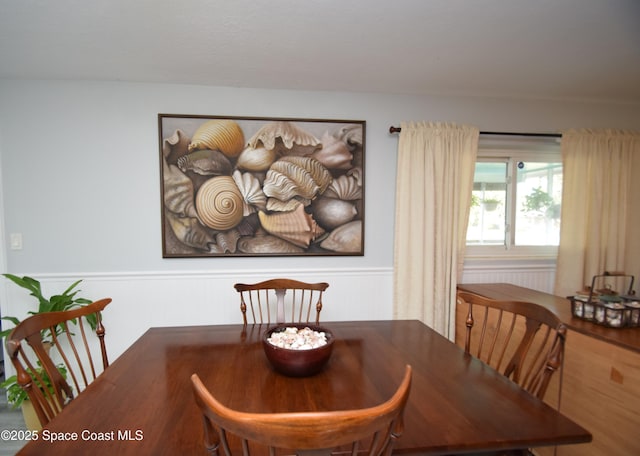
[54,371]
[281,301]
[371,431]
[522,340]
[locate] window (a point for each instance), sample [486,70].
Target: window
[516,200]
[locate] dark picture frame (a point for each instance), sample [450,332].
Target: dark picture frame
[261,186]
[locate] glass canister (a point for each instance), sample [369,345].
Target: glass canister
[632,313]
[614,312]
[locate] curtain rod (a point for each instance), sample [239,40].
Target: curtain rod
[393,129]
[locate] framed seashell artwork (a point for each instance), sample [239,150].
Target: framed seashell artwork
[254,186]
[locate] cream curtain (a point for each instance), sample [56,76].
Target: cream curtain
[600,207]
[434,181]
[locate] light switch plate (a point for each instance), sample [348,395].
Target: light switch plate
[16,241]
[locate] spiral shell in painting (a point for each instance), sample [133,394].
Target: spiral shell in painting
[291,177]
[224,135]
[219,203]
[296,226]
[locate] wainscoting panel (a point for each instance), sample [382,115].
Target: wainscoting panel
[536,276]
[145,300]
[142,300]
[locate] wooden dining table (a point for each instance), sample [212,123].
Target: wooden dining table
[143,403]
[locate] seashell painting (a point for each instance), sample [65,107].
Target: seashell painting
[224,135]
[219,203]
[261,186]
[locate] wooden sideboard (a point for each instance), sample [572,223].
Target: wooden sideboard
[601,378]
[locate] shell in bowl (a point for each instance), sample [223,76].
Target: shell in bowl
[296,362]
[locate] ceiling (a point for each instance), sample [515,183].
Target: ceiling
[559,49]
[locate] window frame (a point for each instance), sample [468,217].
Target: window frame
[511,151]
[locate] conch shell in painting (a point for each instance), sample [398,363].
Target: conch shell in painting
[302,177]
[219,203]
[263,243]
[224,135]
[296,226]
[251,191]
[205,162]
[335,153]
[286,138]
[189,231]
[346,238]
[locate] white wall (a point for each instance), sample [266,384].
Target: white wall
[81,180]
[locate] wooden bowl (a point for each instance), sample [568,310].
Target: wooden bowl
[297,362]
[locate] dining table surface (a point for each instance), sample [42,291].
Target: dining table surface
[144,404]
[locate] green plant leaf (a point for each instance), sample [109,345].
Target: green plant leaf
[65,301]
[16,395]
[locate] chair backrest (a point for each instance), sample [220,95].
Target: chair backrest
[372,431]
[69,348]
[522,340]
[281,301]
